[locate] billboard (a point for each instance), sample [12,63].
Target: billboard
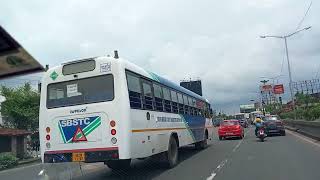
[266,87]
[278,89]
[194,86]
[247,108]
[14,59]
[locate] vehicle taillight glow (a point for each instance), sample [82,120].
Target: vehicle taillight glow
[48,137]
[112,123]
[113,132]
[48,130]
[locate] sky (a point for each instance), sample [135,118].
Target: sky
[215,41]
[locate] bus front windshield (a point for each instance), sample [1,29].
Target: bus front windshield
[80,91]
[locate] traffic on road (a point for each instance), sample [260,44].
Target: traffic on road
[93,90]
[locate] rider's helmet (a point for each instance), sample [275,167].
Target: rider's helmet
[258,120]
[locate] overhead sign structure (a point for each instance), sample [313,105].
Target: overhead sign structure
[266,87]
[14,59]
[278,89]
[247,108]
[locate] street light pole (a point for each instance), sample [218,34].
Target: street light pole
[289,68]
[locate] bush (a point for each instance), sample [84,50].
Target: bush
[7,160]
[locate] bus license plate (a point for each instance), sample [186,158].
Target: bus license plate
[78,157]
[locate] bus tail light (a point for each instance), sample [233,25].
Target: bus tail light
[112,123]
[114,140]
[113,132]
[48,137]
[48,129]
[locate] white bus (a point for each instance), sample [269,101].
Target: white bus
[109,110]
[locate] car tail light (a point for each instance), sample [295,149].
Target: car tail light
[279,123]
[112,123]
[113,132]
[48,129]
[48,137]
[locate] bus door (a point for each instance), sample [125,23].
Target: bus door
[148,105]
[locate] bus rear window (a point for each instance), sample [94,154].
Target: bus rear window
[80,91]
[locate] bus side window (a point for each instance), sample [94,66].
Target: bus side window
[190,105]
[174,98]
[134,89]
[167,99]
[194,107]
[147,95]
[180,105]
[186,103]
[158,97]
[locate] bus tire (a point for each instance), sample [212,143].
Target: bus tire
[172,155]
[122,164]
[202,144]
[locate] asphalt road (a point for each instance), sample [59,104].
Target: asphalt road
[291,157]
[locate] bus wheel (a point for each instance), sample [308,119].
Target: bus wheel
[202,144]
[172,155]
[122,164]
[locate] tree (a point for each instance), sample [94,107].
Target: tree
[21,107]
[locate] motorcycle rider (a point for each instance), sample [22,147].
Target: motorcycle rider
[258,124]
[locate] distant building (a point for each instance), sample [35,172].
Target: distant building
[14,141]
[194,86]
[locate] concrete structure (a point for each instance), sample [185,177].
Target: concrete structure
[14,141]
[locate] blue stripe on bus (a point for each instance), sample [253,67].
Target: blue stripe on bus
[196,125]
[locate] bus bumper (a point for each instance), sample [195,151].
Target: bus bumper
[89,156]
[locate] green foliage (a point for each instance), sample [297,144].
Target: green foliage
[21,107]
[7,160]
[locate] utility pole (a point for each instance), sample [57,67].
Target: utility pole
[289,68]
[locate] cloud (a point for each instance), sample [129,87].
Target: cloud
[216,41]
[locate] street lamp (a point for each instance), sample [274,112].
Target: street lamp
[287,54]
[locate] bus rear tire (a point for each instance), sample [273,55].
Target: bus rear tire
[171,156]
[202,144]
[122,164]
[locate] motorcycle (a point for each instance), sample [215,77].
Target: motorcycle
[261,134]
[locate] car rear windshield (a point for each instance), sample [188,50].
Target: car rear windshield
[80,91]
[230,123]
[273,118]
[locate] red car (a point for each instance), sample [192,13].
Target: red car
[230,128]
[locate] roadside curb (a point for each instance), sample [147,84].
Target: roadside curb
[302,133]
[27,161]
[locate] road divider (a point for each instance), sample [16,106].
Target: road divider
[307,128]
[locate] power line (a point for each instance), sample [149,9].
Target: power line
[305,14]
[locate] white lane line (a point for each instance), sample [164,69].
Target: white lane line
[217,169]
[304,138]
[221,165]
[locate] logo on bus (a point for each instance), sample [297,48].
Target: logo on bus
[78,110]
[73,130]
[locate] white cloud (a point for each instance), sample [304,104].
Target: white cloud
[217,41]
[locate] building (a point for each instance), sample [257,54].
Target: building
[14,141]
[194,86]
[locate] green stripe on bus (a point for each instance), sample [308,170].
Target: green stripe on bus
[62,134]
[87,130]
[93,128]
[93,122]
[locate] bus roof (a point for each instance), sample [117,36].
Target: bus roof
[135,68]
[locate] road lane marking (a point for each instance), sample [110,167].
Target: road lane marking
[303,138]
[217,169]
[222,164]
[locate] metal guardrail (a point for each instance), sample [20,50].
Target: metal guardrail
[308,128]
